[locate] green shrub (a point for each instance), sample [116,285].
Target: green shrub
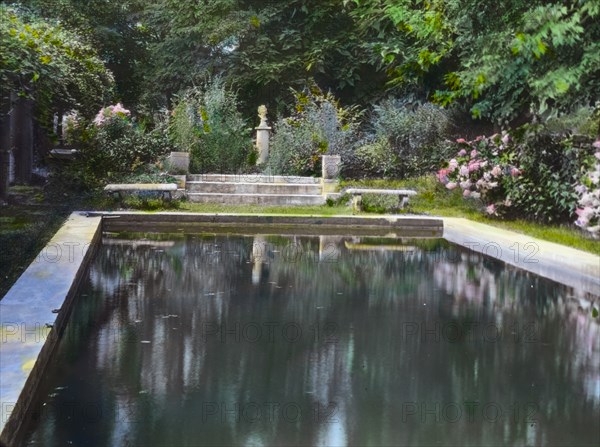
[318,126]
[404,140]
[583,121]
[112,148]
[551,167]
[206,122]
[528,173]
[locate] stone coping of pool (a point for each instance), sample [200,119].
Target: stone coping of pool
[34,312]
[566,265]
[390,225]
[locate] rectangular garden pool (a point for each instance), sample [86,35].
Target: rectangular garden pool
[189,339]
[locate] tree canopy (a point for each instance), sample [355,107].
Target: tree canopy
[50,64]
[502,61]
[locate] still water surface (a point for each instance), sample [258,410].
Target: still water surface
[185,340]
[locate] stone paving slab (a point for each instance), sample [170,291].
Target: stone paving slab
[33,313]
[566,265]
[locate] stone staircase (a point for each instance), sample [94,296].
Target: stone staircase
[254,189]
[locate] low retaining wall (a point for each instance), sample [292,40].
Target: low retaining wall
[404,226]
[33,315]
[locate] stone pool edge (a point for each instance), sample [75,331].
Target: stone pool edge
[396,225]
[33,314]
[566,265]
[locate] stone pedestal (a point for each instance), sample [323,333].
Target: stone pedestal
[179,162]
[330,166]
[263,132]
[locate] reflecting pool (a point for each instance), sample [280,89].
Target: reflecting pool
[204,339]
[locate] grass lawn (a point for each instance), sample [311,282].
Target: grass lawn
[324,210]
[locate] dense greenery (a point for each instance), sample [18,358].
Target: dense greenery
[206,122]
[112,147]
[51,64]
[502,59]
[318,126]
[399,88]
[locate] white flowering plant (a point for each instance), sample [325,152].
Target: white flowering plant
[72,127]
[107,114]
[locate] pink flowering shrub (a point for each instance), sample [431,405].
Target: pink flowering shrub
[588,206]
[113,146]
[106,114]
[482,169]
[529,173]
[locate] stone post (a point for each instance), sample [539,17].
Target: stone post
[330,171]
[263,131]
[330,166]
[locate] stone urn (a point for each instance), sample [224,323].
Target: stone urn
[179,162]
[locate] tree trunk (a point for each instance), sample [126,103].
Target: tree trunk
[4,147]
[22,138]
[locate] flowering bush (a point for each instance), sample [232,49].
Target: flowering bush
[589,198]
[528,173]
[112,145]
[482,169]
[109,113]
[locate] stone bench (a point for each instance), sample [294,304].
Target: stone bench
[357,193]
[165,188]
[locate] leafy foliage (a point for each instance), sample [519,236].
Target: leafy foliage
[207,123]
[405,139]
[318,126]
[503,60]
[114,29]
[50,64]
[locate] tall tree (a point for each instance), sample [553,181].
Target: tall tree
[43,68]
[114,29]
[500,59]
[261,47]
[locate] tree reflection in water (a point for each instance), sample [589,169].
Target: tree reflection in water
[231,340]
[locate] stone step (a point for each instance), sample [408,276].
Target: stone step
[253,178]
[253,188]
[257,199]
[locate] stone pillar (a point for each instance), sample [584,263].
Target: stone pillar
[5,153]
[330,166]
[22,138]
[330,171]
[263,131]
